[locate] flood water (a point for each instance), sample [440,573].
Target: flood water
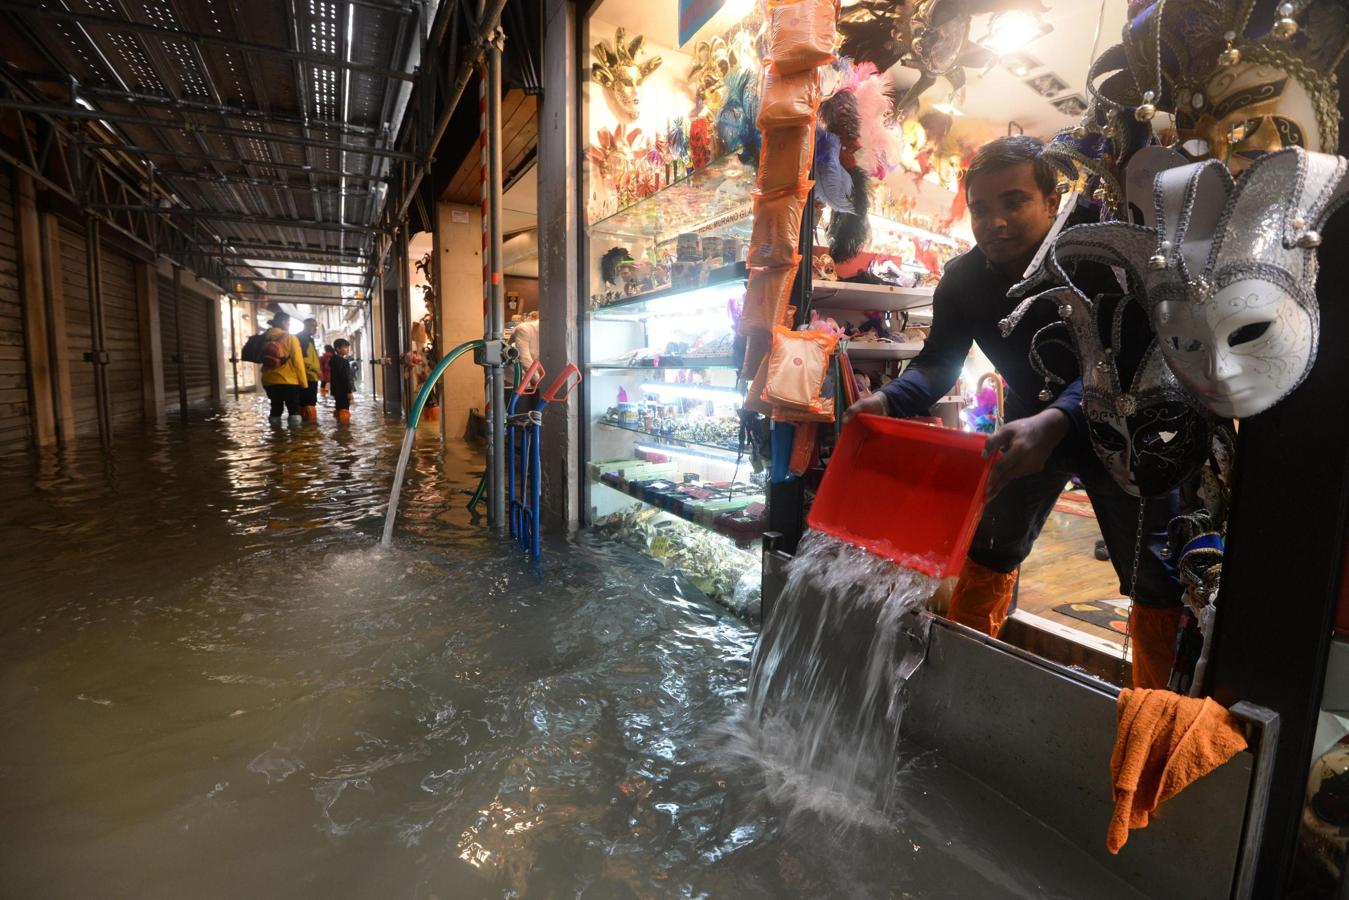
[215,683]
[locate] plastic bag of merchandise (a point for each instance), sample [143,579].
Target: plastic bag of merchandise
[788,100]
[797,369]
[766,298]
[784,162]
[800,34]
[777,228]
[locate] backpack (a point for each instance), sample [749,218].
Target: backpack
[274,354]
[252,349]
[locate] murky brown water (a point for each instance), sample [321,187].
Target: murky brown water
[214,683]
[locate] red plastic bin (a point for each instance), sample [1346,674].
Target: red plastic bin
[903,490]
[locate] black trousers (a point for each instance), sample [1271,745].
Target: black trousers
[284,397]
[1012,521]
[309,396]
[341,401]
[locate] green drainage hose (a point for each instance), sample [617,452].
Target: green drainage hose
[425,393]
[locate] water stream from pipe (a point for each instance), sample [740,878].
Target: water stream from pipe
[409,438]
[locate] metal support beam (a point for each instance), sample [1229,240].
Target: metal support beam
[184,105]
[242,218]
[145,152]
[178,344]
[272,136]
[496,309]
[91,20]
[98,354]
[234,352]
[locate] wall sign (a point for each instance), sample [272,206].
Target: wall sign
[693,14]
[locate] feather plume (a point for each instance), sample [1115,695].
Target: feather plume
[849,232]
[882,143]
[833,183]
[730,118]
[839,114]
[750,138]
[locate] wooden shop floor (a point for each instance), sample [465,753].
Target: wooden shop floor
[1063,569]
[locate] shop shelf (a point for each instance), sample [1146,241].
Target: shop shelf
[742,534]
[702,199]
[674,299]
[667,362]
[673,441]
[867,351]
[853,295]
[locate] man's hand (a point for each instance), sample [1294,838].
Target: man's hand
[872,403]
[1025,445]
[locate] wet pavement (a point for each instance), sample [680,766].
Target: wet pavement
[215,683]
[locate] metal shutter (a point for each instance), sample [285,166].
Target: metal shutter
[121,331]
[75,291]
[198,354]
[15,420]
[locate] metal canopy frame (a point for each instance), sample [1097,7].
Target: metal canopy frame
[224,133]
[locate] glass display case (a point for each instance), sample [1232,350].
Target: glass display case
[669,212]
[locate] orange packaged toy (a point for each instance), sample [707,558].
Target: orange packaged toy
[784,160]
[797,368]
[766,298]
[777,228]
[788,100]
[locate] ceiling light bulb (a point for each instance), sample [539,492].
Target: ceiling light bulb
[1012,30]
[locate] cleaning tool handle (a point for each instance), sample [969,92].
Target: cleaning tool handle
[564,383]
[533,378]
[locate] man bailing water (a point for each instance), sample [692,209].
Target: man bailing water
[1011,189]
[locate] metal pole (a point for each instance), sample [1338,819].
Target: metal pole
[97,356]
[178,344]
[404,313]
[234,351]
[497,308]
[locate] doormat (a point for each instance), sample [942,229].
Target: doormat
[1112,615]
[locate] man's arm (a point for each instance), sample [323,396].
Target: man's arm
[932,373]
[1070,404]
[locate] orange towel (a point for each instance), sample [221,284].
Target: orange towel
[1163,743]
[981,598]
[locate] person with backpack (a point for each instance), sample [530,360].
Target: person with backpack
[309,394]
[325,369]
[341,383]
[283,370]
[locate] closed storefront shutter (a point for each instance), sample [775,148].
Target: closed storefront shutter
[121,330]
[198,352]
[15,427]
[75,290]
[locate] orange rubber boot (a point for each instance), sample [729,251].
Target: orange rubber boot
[344,416]
[309,413]
[981,598]
[1153,639]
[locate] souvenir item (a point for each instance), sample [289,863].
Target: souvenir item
[1234,91]
[1149,434]
[619,72]
[713,61]
[1231,275]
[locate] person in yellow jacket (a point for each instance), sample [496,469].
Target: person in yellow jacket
[309,397]
[284,377]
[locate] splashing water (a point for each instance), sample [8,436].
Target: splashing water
[826,684]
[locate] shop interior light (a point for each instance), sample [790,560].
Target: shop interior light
[1011,30]
[737,9]
[693,392]
[685,451]
[922,233]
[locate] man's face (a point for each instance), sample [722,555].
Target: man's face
[1009,214]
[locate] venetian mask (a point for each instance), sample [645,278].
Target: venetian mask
[620,73]
[1149,434]
[1232,275]
[1325,816]
[1245,111]
[712,62]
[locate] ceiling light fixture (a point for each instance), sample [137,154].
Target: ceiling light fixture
[1011,30]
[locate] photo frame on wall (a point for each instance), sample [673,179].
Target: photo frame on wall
[1073,106]
[1047,85]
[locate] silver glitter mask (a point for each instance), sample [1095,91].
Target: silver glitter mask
[1231,278]
[1151,436]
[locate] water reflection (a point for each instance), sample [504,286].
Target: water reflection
[214,683]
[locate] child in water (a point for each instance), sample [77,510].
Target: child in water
[340,379]
[325,373]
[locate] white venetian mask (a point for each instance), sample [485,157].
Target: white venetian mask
[1232,281]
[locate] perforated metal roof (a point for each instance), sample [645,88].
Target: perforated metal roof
[252,129]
